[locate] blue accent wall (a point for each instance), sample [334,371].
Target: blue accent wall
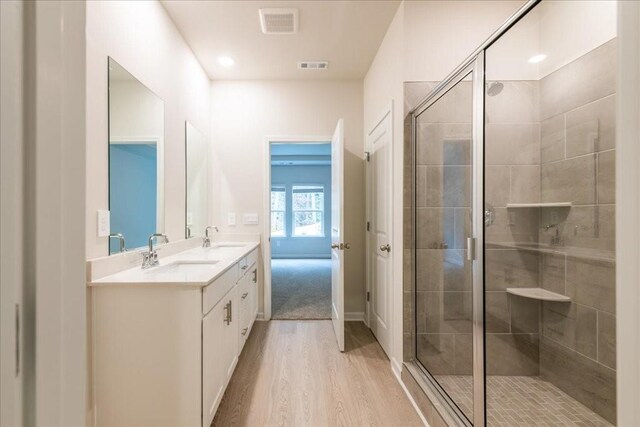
[133,191]
[302,247]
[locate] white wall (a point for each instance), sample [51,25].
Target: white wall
[243,113]
[141,37]
[383,84]
[439,35]
[628,226]
[11,202]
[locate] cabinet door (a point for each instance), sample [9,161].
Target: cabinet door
[213,375]
[229,342]
[254,292]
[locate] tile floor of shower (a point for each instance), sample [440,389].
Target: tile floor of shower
[521,401]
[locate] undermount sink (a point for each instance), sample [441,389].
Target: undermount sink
[185,266]
[228,245]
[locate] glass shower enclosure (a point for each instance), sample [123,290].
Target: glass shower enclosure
[512,223]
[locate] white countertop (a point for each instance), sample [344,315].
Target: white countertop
[199,276]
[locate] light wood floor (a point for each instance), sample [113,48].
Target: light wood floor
[291,373]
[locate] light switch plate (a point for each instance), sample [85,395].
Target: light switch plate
[104,223]
[250,218]
[231,218]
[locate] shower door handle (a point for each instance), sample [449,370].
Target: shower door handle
[471,248]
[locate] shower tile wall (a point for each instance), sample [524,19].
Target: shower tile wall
[512,175]
[577,109]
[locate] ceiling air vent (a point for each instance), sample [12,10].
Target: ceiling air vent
[313,65]
[279,21]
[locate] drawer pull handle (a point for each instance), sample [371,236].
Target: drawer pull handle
[244,267]
[255,276]
[245,295]
[244,331]
[227,317]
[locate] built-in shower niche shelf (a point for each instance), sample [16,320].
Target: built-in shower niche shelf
[539,294]
[540,205]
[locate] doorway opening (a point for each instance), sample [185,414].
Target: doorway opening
[300,230]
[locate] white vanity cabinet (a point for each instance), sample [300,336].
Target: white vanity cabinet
[163,354]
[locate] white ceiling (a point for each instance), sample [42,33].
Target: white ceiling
[345,33]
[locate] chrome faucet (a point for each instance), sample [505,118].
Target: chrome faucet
[206,242]
[555,239]
[120,237]
[150,259]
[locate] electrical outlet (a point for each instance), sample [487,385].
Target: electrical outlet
[104,223]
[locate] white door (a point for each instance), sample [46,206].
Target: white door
[380,212]
[337,233]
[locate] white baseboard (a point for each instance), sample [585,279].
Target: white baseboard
[396,368]
[354,316]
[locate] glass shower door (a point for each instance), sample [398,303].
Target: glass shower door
[443,212]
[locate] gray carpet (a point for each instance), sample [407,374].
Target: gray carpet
[301,289]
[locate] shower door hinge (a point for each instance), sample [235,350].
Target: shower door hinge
[368,226]
[367,156]
[368,296]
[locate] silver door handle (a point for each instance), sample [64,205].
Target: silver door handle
[386,247]
[471,248]
[335,246]
[346,246]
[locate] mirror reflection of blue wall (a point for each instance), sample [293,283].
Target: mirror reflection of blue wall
[301,200]
[133,193]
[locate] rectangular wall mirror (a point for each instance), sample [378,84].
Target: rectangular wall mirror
[196,153]
[136,161]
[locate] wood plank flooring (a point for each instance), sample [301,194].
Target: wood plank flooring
[291,373]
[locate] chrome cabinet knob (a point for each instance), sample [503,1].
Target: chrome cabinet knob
[386,247]
[347,246]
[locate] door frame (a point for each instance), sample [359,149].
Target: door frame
[266,206]
[387,111]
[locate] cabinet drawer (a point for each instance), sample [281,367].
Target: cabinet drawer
[216,290]
[247,262]
[252,258]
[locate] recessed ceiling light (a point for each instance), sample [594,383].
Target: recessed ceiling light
[537,58]
[226,61]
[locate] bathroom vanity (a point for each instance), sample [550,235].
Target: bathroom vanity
[166,340]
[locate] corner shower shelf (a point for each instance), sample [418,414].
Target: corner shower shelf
[539,294]
[540,205]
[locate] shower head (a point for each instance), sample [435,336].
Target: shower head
[494,88]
